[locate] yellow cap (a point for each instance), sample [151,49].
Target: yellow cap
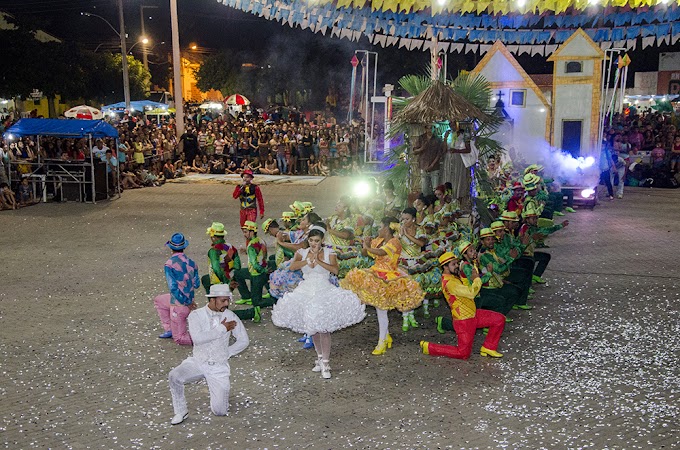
[446,258]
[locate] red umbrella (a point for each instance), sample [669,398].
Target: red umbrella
[237,99]
[84,112]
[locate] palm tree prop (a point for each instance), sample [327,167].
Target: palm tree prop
[443,105]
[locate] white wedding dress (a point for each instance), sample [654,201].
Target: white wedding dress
[316,305]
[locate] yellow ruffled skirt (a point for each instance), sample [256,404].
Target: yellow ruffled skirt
[384,290]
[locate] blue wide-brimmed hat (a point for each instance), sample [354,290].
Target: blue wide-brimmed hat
[177,242]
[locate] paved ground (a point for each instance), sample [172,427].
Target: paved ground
[595,365]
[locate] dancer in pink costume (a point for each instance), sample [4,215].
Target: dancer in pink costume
[181,274]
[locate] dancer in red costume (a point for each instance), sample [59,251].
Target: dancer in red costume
[466,317]
[250,197]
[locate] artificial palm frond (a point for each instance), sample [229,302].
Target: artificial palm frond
[415,84]
[439,103]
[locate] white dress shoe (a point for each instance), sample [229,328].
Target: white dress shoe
[325,370]
[179,418]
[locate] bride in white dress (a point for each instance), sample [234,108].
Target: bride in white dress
[317,307]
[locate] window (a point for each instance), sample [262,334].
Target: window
[574,67]
[518,97]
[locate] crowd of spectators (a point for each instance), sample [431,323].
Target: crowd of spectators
[640,150]
[148,152]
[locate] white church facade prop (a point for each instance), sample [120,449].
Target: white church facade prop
[565,116]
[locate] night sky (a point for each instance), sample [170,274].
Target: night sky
[212,26]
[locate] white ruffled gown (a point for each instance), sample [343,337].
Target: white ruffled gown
[316,305]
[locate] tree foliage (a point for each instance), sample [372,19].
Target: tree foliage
[64,69]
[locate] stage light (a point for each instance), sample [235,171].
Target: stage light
[521,3]
[441,2]
[542,110]
[361,189]
[587,193]
[589,161]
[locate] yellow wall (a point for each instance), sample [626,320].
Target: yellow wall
[190,92]
[43,108]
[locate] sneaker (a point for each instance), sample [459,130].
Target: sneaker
[257,317]
[619,196]
[244,301]
[508,320]
[179,418]
[303,338]
[317,365]
[558,213]
[166,335]
[308,343]
[537,279]
[569,209]
[523,307]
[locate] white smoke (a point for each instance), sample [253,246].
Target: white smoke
[558,164]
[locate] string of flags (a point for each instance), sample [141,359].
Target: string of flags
[466,33]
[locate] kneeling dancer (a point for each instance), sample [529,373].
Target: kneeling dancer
[466,317]
[211,327]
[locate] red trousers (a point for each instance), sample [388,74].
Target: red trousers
[465,330]
[248,214]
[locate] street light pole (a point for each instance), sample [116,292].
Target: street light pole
[145,60]
[123,49]
[123,52]
[176,70]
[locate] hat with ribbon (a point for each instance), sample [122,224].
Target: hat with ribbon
[463,247]
[446,258]
[533,168]
[530,179]
[486,232]
[287,216]
[177,242]
[247,172]
[307,206]
[297,207]
[216,229]
[249,225]
[266,224]
[510,216]
[219,290]
[497,225]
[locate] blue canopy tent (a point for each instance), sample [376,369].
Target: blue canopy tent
[138,105]
[70,129]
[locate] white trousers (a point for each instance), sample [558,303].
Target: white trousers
[217,377]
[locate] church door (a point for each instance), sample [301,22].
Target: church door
[571,137]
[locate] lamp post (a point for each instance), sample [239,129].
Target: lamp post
[123,50]
[176,70]
[145,50]
[143,41]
